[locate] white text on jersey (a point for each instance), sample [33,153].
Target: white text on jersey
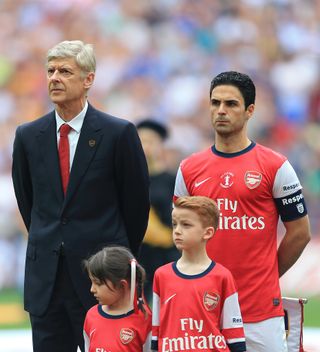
[243,222]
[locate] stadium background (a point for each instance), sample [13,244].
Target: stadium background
[157,58]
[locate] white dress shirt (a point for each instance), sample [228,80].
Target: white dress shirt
[76,125]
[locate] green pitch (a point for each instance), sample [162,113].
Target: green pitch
[312,312]
[12,315]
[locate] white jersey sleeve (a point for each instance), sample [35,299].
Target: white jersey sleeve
[286,181]
[180,188]
[155,321]
[86,341]
[231,319]
[287,193]
[147,344]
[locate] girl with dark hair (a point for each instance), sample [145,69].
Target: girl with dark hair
[122,320]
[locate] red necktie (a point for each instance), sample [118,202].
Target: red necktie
[64,155]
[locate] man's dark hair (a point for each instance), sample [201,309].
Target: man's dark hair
[240,80]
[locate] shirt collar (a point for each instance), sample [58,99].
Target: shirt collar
[76,122]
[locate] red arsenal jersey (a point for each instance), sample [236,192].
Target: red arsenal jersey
[115,333]
[251,188]
[196,312]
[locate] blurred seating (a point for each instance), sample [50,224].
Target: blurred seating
[157,59]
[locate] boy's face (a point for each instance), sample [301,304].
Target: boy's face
[188,230]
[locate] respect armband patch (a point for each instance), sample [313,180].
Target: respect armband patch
[292,206]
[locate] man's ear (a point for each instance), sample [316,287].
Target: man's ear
[209,232]
[250,110]
[88,81]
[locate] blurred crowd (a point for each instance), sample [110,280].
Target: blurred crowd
[157,58]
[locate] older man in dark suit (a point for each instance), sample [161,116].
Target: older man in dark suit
[81,183]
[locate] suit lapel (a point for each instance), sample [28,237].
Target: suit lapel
[88,142]
[47,141]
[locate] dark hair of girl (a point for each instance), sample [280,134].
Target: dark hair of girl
[114,263]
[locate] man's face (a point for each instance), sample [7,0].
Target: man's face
[66,85]
[228,113]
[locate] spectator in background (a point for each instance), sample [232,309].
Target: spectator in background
[275,41]
[76,198]
[252,186]
[157,248]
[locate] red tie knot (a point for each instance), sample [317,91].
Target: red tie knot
[64,130]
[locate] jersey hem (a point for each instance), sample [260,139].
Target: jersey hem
[259,319]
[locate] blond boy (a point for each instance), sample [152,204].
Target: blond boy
[195,302]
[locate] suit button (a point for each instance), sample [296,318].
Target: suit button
[64,221]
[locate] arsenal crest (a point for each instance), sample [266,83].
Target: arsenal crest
[210,300]
[252,179]
[126,335]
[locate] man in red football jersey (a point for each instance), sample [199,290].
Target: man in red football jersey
[253,186]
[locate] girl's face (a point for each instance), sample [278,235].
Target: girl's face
[106,292]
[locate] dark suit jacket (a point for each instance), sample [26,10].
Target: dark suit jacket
[107,200]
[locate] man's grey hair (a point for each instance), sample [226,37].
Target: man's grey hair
[81,52]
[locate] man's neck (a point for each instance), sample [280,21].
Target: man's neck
[231,145]
[67,112]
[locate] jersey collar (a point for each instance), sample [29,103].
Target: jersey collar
[232,155]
